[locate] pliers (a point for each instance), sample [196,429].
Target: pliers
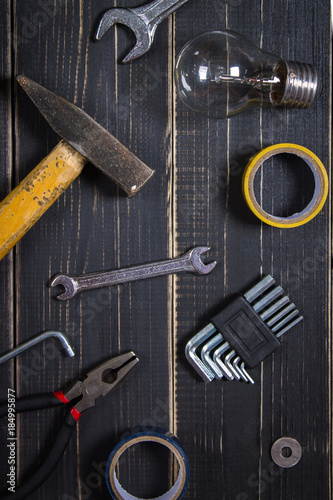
[98,382]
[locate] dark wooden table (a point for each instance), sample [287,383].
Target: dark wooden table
[227,428]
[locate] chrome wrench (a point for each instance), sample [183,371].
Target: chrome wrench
[143,21]
[190,262]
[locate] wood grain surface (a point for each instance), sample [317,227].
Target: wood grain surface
[227,428]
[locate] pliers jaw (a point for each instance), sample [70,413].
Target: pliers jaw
[101,380]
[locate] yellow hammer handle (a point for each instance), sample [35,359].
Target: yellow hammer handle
[35,194]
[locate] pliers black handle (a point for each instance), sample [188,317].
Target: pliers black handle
[36,402]
[59,445]
[97,383]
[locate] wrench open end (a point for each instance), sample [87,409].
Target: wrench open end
[141,47]
[68,284]
[197,263]
[111,17]
[143,21]
[144,36]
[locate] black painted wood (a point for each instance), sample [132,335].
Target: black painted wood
[227,428]
[6,268]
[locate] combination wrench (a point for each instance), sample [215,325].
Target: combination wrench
[143,21]
[189,262]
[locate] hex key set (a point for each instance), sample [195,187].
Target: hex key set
[243,334]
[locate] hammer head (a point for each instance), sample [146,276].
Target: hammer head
[88,137]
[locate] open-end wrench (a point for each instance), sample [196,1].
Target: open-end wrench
[190,262]
[143,21]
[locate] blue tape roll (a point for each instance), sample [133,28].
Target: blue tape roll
[162,437]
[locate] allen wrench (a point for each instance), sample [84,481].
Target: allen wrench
[35,340]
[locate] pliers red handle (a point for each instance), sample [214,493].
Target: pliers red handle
[98,382]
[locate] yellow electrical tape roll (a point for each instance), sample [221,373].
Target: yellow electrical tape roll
[320,191]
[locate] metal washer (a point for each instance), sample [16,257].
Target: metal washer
[279,459]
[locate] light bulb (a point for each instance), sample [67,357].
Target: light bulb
[221,74]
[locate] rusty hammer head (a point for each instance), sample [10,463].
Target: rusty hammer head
[91,140]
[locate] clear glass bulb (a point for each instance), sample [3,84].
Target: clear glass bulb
[221,73]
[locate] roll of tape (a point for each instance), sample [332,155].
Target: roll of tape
[320,190]
[164,438]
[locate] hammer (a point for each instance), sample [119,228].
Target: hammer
[84,140]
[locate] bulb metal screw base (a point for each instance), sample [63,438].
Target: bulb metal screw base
[302,85]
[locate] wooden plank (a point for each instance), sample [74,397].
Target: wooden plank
[93,227]
[229,428]
[6,267]
[292,399]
